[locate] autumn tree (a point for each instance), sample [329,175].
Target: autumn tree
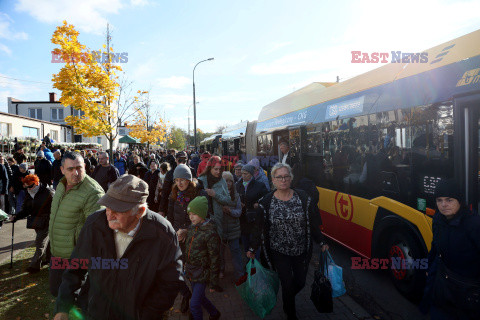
[177,138]
[147,126]
[88,83]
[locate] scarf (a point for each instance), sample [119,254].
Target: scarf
[211,180]
[182,198]
[33,191]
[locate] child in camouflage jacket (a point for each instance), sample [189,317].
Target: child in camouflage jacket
[202,261]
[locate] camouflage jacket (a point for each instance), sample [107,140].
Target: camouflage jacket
[203,250]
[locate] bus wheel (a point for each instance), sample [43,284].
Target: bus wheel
[404,254]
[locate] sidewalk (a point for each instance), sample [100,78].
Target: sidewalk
[233,307]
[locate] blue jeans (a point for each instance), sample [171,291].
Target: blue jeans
[20,198]
[237,257]
[246,245]
[199,300]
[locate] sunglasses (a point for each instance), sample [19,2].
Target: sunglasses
[31,186]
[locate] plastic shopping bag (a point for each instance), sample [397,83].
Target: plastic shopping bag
[3,215]
[259,288]
[335,274]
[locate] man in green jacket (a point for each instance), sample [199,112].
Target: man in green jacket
[75,199]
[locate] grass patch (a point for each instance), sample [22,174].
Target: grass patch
[25,296]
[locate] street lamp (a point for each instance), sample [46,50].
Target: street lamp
[194,105]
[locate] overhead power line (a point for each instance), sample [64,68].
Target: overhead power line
[49,83]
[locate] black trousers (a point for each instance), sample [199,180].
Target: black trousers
[292,271]
[81,295]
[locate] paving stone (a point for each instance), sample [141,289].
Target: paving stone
[233,307]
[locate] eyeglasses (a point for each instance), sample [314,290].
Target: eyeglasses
[284,178]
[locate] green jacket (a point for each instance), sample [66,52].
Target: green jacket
[69,212]
[222,198]
[203,252]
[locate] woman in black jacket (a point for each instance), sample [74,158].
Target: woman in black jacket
[36,207]
[250,191]
[287,222]
[453,279]
[184,190]
[151,177]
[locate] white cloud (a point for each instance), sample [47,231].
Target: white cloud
[16,89]
[87,15]
[309,60]
[139,2]
[6,31]
[5,49]
[174,82]
[276,46]
[172,99]
[378,31]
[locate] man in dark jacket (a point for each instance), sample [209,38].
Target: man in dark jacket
[250,191]
[181,158]
[19,156]
[149,271]
[120,164]
[105,174]
[43,169]
[56,171]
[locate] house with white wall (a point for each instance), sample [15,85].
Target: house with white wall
[52,111]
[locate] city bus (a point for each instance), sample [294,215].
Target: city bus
[376,146]
[212,144]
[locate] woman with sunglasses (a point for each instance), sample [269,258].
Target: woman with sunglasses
[36,207]
[286,224]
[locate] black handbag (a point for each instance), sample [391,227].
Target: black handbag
[321,295]
[453,291]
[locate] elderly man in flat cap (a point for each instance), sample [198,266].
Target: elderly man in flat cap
[134,263]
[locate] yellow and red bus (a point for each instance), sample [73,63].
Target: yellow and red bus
[376,146]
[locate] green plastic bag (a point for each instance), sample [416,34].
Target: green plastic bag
[3,215]
[259,288]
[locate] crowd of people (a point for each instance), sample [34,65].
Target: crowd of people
[161,221]
[171,215]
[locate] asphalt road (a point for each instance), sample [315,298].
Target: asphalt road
[22,238]
[373,290]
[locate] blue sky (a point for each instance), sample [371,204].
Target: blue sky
[263,50]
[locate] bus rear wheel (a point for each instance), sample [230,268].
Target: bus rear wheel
[404,254]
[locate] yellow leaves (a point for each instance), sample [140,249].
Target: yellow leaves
[86,85]
[145,129]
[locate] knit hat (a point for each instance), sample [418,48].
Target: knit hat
[182,171]
[40,154]
[23,166]
[254,162]
[239,164]
[249,168]
[198,206]
[125,193]
[227,175]
[448,188]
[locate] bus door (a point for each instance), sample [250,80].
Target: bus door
[467,152]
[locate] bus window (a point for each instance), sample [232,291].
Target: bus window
[313,155]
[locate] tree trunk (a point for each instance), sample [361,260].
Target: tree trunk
[110,153]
